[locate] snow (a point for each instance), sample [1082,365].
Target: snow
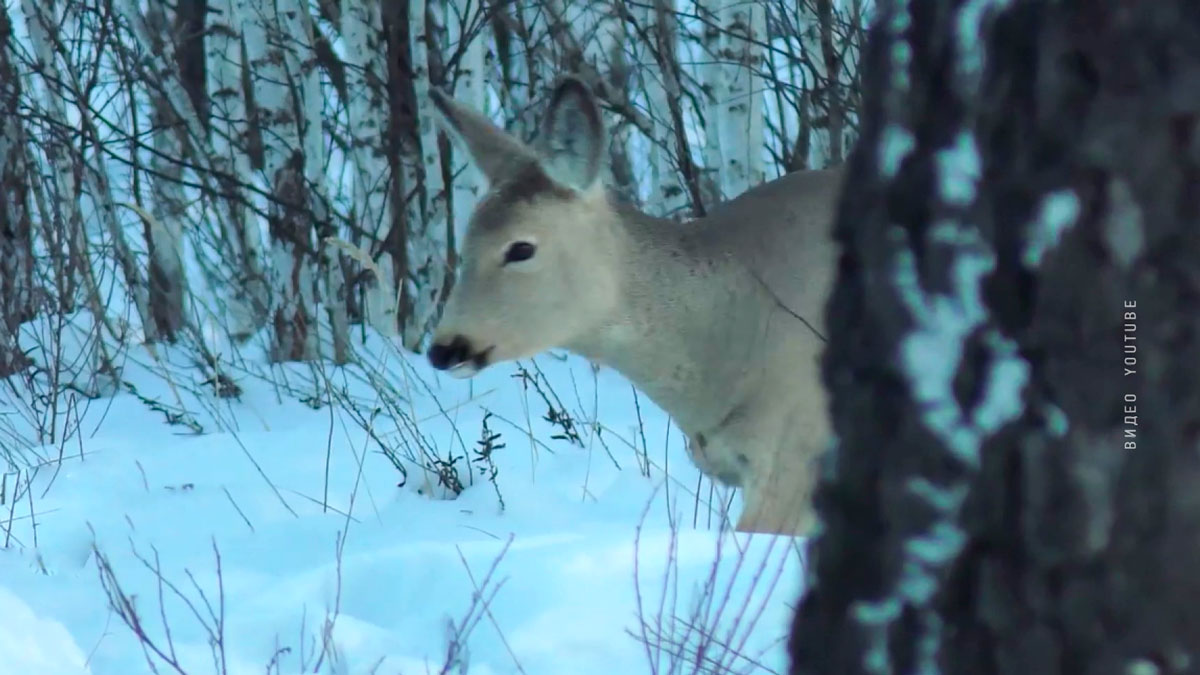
[281,530]
[877,615]
[902,53]
[939,497]
[895,145]
[32,644]
[1058,212]
[970,35]
[1002,394]
[1057,422]
[931,354]
[959,167]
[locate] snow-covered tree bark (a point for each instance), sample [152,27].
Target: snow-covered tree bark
[1014,335]
[16,223]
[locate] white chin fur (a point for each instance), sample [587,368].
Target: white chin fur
[463,370]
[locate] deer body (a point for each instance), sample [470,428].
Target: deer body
[718,320]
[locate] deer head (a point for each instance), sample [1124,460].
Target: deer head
[539,259]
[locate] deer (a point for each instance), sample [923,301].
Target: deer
[719,319]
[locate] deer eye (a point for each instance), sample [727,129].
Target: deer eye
[519,251]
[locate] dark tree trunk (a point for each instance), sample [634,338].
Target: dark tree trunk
[167,285]
[403,143]
[190,55]
[16,226]
[168,282]
[1014,345]
[832,91]
[291,229]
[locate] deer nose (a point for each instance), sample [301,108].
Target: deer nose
[443,356]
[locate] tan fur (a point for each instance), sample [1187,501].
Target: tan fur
[719,320]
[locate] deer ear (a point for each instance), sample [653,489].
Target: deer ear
[571,142]
[492,149]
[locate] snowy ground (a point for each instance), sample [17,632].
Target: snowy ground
[279,540]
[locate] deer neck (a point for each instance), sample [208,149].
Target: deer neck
[688,324]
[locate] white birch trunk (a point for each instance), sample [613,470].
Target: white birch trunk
[756,104]
[469,184]
[168,283]
[536,66]
[367,111]
[622,148]
[229,23]
[169,301]
[669,195]
[331,289]
[244,296]
[70,264]
[512,87]
[43,22]
[810,46]
[96,178]
[282,92]
[742,120]
[427,244]
[712,83]
[835,113]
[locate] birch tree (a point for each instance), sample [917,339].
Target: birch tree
[741,119]
[287,113]
[16,223]
[714,93]
[831,69]
[659,82]
[192,86]
[404,154]
[367,108]
[164,235]
[62,217]
[71,83]
[100,189]
[511,77]
[427,236]
[470,85]
[230,147]
[1013,339]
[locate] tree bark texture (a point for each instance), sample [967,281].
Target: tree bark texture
[1014,348]
[16,224]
